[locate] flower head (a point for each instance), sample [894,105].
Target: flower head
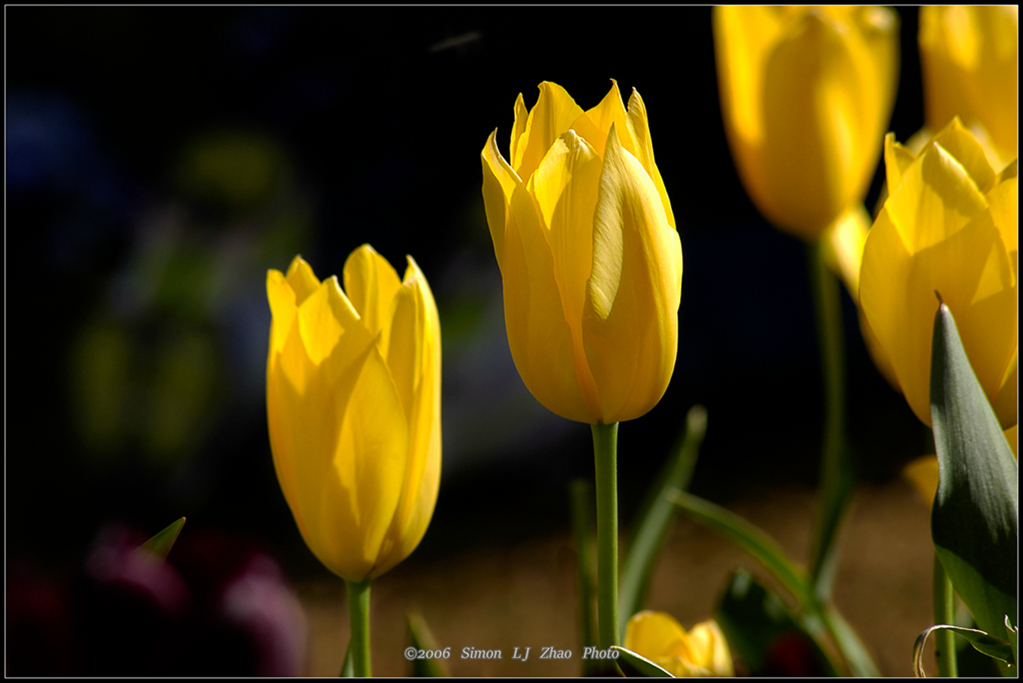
[589,256]
[806,95]
[948,228]
[702,651]
[353,403]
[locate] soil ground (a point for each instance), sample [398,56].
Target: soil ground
[524,594]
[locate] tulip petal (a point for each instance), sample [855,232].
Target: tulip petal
[963,145]
[499,181]
[415,309]
[303,444]
[639,130]
[843,246]
[302,280]
[371,283]
[922,473]
[934,199]
[1004,201]
[282,310]
[961,269]
[538,335]
[897,158]
[594,124]
[553,114]
[969,59]
[564,186]
[655,635]
[1005,401]
[518,128]
[369,464]
[630,324]
[318,325]
[710,648]
[743,37]
[807,184]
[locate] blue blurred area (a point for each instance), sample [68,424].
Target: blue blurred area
[160,160]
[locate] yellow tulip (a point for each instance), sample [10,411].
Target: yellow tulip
[969,60]
[589,256]
[703,651]
[949,226]
[353,405]
[806,95]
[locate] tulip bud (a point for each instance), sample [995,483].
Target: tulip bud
[589,256]
[969,57]
[703,651]
[806,96]
[353,404]
[949,226]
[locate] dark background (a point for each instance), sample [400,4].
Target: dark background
[160,160]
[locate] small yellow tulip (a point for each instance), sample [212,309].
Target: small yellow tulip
[589,256]
[703,651]
[353,405]
[969,59]
[806,95]
[949,226]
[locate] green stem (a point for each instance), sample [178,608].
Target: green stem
[944,613]
[605,453]
[836,468]
[358,613]
[581,495]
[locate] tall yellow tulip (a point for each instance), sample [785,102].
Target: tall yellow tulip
[353,404]
[949,226]
[589,255]
[702,651]
[969,57]
[806,95]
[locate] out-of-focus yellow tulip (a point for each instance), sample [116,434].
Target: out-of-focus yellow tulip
[703,651]
[353,404]
[806,95]
[949,226]
[589,256]
[969,60]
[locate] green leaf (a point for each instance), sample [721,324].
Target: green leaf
[633,664]
[1013,633]
[348,668]
[975,517]
[655,520]
[753,540]
[422,639]
[982,641]
[763,632]
[855,653]
[766,550]
[161,544]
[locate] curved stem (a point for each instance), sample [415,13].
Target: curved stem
[605,453]
[837,473]
[358,613]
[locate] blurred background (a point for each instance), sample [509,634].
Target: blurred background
[160,160]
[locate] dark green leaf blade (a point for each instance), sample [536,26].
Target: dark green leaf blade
[753,540]
[348,667]
[160,545]
[654,521]
[422,639]
[975,517]
[633,664]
